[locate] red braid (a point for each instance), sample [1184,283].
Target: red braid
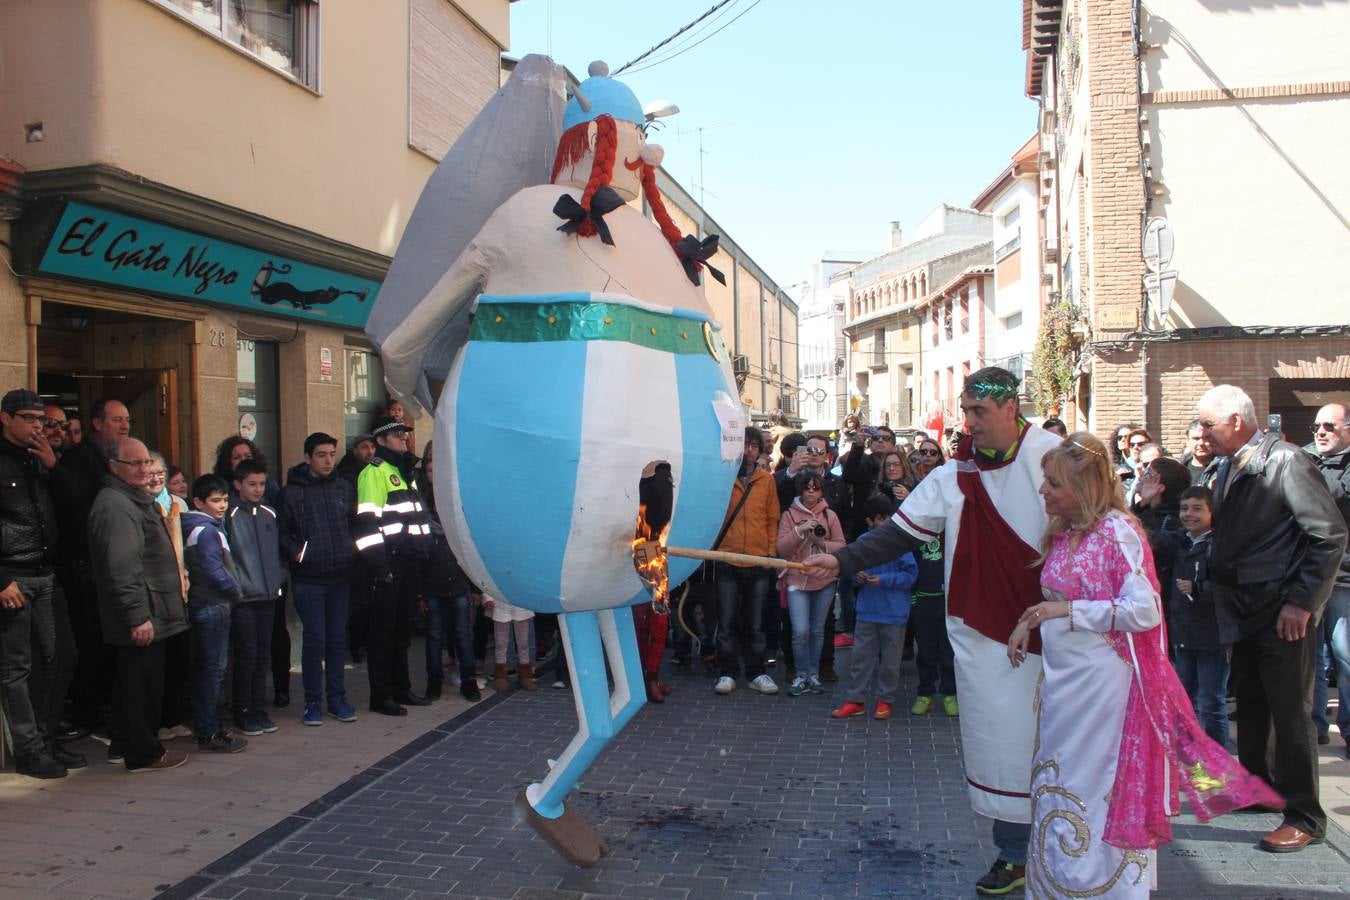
[602,167]
[659,211]
[572,146]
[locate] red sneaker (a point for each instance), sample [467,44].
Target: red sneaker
[843,641]
[883,710]
[849,710]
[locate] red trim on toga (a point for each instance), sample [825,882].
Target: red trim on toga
[994,575]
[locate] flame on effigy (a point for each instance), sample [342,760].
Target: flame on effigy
[649,558]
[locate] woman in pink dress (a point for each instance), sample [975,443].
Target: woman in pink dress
[1116,736]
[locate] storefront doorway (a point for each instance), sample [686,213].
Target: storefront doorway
[86,353]
[1297,401]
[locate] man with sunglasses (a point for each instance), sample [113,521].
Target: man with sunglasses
[55,428]
[1330,449]
[28,475]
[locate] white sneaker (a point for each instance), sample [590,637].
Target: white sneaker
[726,684]
[764,684]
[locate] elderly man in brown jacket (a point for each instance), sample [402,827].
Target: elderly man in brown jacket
[750,526]
[140,602]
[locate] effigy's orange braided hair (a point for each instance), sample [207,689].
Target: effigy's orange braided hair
[660,213]
[572,146]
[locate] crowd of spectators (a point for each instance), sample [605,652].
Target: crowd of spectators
[131,590]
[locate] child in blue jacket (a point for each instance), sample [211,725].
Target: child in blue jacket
[213,592]
[879,633]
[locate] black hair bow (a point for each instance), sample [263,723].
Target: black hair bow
[605,200]
[692,251]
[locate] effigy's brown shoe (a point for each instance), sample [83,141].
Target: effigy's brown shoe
[570,835]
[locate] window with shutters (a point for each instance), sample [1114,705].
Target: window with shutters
[453,71]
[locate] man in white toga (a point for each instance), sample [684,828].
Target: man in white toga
[986,503]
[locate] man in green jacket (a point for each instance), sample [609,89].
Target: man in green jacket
[140,603]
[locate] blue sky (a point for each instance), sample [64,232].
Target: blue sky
[822,121]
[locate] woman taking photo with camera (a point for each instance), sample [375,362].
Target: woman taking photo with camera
[895,479]
[808,526]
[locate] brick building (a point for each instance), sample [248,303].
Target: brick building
[910,319]
[1214,129]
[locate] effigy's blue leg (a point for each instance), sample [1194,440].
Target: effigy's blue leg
[591,638]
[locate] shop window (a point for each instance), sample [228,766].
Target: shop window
[365,397]
[284,34]
[260,400]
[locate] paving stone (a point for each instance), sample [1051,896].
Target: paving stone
[710,796]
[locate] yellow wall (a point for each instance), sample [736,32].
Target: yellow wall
[128,84]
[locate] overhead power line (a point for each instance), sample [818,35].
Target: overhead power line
[690,46]
[715,7]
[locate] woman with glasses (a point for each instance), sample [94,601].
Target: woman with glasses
[926,457]
[894,476]
[808,527]
[176,706]
[1120,450]
[1135,441]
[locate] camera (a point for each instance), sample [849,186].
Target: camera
[818,530]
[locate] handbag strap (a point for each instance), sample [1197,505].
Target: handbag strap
[745,495]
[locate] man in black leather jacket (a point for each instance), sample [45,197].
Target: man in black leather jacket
[1278,542]
[28,536]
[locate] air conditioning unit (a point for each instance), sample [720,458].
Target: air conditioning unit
[740,364]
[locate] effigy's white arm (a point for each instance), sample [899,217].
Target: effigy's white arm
[449,303]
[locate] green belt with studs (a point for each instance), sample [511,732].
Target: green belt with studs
[588,319]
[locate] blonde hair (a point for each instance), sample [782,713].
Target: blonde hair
[1083,464]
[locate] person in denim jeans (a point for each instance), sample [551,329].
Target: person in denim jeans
[213,589]
[750,526]
[314,532]
[808,526]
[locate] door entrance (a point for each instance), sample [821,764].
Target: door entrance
[1297,400]
[85,354]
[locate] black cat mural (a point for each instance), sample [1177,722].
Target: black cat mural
[284,292]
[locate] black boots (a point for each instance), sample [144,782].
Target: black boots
[433,689]
[39,765]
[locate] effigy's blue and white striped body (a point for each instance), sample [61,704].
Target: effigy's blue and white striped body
[548,438]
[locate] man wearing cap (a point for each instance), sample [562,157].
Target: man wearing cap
[393,536]
[28,477]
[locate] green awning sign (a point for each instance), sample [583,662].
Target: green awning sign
[98,245]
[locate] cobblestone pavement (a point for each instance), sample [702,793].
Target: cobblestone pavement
[704,796]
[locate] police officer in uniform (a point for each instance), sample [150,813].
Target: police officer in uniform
[393,535]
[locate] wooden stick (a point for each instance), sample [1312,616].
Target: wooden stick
[744,559]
